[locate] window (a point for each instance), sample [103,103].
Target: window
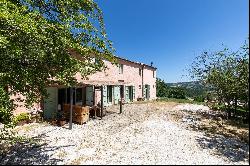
[120,68]
[153,74]
[140,72]
[139,86]
[153,86]
[79,96]
[109,94]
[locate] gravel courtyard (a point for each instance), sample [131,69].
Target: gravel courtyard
[146,133]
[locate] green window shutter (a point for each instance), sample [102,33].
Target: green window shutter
[89,95]
[133,92]
[116,94]
[105,96]
[127,94]
[148,91]
[144,91]
[50,103]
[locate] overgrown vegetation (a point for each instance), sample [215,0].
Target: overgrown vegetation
[177,91]
[163,90]
[21,117]
[47,42]
[226,73]
[42,43]
[221,81]
[6,106]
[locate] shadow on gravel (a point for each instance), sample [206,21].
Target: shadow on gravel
[29,153]
[231,148]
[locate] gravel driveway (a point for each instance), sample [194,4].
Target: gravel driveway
[142,134]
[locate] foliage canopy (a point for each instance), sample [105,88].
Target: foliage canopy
[227,73]
[44,42]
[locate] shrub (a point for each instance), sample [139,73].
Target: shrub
[199,98]
[6,106]
[21,117]
[177,92]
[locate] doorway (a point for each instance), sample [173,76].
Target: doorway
[109,94]
[147,91]
[130,92]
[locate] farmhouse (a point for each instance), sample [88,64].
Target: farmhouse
[130,81]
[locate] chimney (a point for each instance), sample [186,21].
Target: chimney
[151,63]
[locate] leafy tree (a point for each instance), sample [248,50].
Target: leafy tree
[199,98]
[161,88]
[177,92]
[44,42]
[227,72]
[5,106]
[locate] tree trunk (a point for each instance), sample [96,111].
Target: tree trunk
[235,106]
[229,113]
[229,110]
[6,88]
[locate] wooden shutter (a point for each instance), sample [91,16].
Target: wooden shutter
[50,103]
[133,93]
[105,96]
[144,91]
[148,91]
[89,95]
[127,94]
[116,94]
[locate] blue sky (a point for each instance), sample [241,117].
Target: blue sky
[170,33]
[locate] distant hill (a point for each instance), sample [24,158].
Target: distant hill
[193,88]
[191,84]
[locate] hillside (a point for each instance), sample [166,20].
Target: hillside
[191,84]
[194,88]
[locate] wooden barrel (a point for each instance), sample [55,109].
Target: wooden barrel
[79,114]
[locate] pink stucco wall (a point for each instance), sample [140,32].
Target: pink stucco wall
[149,79]
[21,104]
[130,76]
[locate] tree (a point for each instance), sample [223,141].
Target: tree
[177,92]
[45,39]
[227,72]
[161,88]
